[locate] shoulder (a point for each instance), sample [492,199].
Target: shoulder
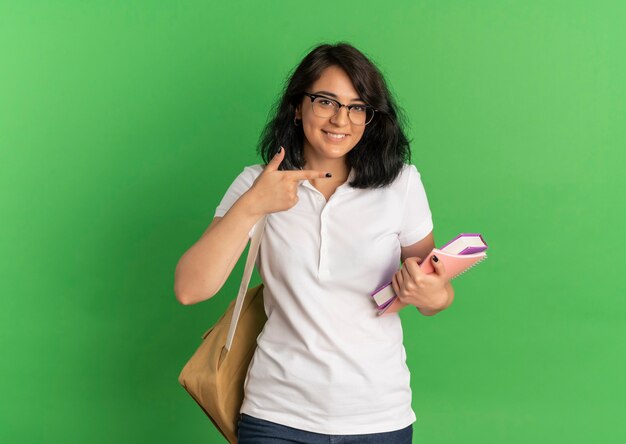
[253,170]
[409,170]
[249,174]
[409,183]
[238,187]
[407,176]
[244,180]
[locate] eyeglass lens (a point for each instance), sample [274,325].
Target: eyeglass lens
[359,115]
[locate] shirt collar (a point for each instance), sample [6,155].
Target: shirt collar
[343,188]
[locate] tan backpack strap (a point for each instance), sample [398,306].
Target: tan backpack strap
[247,274]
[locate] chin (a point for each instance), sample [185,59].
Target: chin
[334,152]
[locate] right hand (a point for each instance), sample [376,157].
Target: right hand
[276,190]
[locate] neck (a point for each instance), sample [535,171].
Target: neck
[338,167]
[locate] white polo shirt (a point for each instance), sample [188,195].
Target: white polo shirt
[325,362]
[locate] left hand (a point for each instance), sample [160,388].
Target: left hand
[414,287]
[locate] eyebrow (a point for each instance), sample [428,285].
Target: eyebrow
[335,96]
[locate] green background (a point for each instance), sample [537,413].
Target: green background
[123,123]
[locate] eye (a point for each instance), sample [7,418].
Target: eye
[359,109]
[325,102]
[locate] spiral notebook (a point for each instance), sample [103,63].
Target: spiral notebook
[458,255]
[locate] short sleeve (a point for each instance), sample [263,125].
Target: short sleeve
[240,185]
[417,219]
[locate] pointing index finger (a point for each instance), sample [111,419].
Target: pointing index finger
[307,174]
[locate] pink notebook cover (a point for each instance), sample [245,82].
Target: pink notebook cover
[455,264]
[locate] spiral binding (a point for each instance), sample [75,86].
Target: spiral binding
[469,268]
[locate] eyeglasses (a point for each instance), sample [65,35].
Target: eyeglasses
[326,107]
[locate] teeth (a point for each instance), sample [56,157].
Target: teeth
[335,136]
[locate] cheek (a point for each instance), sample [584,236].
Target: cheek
[310,131]
[313,128]
[357,136]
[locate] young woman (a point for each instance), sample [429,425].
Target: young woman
[344,208]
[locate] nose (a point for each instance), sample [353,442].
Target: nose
[341,118]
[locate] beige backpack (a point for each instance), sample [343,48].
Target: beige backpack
[215,374]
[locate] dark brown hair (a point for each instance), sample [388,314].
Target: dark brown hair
[383,149]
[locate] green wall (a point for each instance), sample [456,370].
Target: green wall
[123,123]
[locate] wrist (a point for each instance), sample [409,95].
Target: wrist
[248,203]
[439,304]
[427,312]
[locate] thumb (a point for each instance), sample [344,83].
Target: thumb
[440,269]
[274,163]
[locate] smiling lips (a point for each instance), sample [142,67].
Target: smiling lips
[335,136]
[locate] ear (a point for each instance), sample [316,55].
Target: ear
[299,112]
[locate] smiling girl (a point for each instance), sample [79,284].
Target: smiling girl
[344,208]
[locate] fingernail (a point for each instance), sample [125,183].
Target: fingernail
[329,175]
[279,150]
[435,258]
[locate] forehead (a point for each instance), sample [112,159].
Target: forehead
[336,81]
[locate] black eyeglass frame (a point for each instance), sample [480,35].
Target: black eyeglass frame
[340,105]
